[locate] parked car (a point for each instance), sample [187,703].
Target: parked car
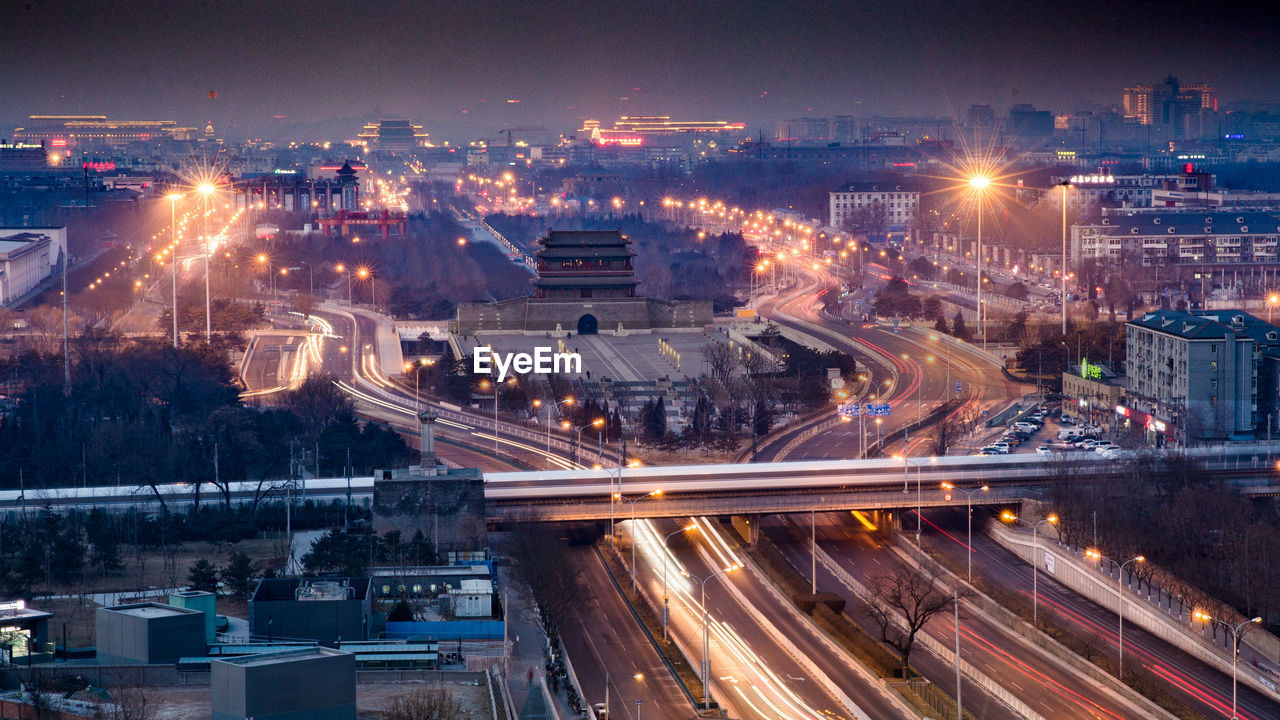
[1044,450]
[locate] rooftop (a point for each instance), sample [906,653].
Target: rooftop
[1208,324]
[584,239]
[151,610]
[887,186]
[1188,223]
[283,656]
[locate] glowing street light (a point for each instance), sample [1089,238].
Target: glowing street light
[173,199]
[206,190]
[1119,601]
[969,504]
[979,183]
[1237,632]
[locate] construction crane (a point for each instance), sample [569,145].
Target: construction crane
[508,130]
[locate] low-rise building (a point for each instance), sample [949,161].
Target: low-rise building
[315,683]
[323,610]
[1199,240]
[27,257]
[148,634]
[898,201]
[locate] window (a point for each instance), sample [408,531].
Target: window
[1213,366]
[1213,383]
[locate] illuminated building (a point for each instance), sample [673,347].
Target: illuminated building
[803,130]
[585,285]
[399,135]
[96,131]
[1187,111]
[1206,243]
[291,192]
[634,131]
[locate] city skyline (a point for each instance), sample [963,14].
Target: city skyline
[321,68]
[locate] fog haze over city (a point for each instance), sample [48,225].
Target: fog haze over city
[455,66]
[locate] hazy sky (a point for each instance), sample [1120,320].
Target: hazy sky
[453,65]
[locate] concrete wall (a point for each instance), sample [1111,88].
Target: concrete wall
[323,620]
[124,639]
[308,688]
[546,315]
[1084,579]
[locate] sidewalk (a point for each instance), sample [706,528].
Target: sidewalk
[526,659]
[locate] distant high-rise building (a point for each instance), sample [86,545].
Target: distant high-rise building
[1185,111]
[844,129]
[1027,123]
[982,117]
[1137,103]
[804,130]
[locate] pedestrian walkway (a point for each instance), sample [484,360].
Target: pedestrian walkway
[526,658]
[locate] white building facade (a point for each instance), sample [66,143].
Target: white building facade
[899,202]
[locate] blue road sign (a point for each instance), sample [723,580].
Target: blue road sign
[957,387]
[849,410]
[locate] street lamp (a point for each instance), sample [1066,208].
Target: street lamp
[1035,562]
[979,184]
[414,366]
[342,270]
[706,632]
[537,403]
[173,199]
[633,501]
[206,190]
[365,273]
[666,605]
[1119,601]
[1062,270]
[577,443]
[1272,300]
[969,503]
[1237,632]
[484,385]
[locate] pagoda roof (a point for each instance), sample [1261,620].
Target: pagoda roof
[585,281]
[557,252]
[584,239]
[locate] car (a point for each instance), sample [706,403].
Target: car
[1003,446]
[1105,445]
[1065,420]
[1044,450]
[1088,444]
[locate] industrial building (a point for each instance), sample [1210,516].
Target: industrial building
[148,634]
[27,257]
[301,609]
[200,601]
[313,683]
[24,634]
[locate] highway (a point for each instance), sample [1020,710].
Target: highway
[766,663]
[1044,685]
[911,385]
[602,638]
[1203,688]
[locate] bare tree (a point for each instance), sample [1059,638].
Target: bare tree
[426,704]
[132,699]
[721,358]
[554,583]
[901,602]
[946,432]
[305,304]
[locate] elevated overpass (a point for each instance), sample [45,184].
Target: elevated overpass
[690,490]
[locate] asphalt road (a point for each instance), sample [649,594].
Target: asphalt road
[1024,671]
[755,673]
[1202,687]
[603,640]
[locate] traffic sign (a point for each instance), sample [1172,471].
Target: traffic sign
[957,386]
[848,410]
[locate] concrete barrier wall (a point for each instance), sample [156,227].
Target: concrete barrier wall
[1085,580]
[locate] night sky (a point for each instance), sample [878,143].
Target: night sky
[324,65]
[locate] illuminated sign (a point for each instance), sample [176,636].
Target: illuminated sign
[1090,372]
[278,171]
[1091,179]
[105,166]
[58,142]
[624,141]
[1122,411]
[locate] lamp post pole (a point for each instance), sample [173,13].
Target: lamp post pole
[1237,633]
[173,251]
[1119,602]
[634,533]
[706,634]
[1035,568]
[1062,268]
[969,506]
